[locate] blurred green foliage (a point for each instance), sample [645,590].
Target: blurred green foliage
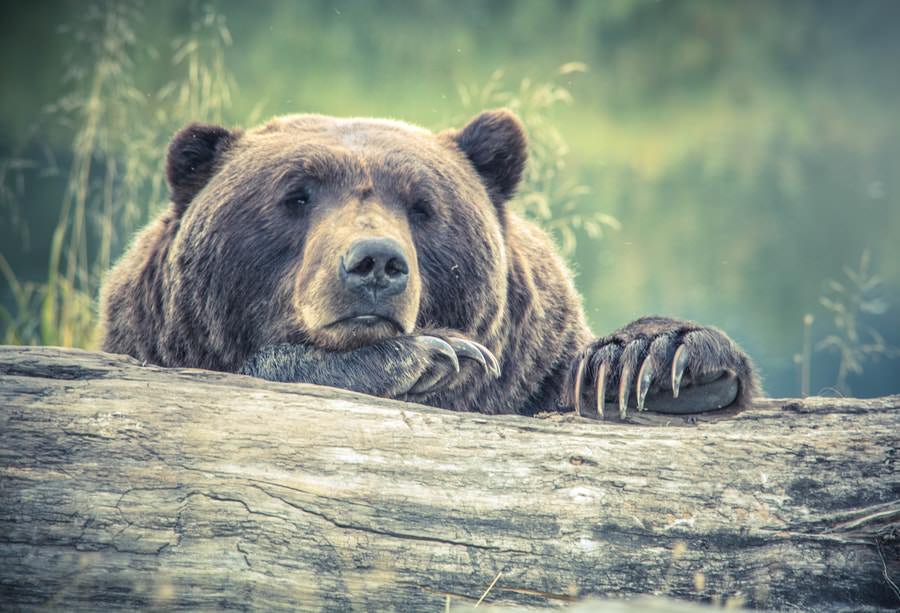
[713,160]
[848,303]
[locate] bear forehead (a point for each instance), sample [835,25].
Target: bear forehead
[325,145]
[346,131]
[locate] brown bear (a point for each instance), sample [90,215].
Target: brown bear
[380,257]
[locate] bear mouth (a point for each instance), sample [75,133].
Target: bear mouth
[368,320]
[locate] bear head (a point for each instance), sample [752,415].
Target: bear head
[338,232]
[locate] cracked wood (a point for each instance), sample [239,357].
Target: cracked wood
[126,485]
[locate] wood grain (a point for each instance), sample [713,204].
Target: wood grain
[130,486]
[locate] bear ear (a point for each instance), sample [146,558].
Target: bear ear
[192,160]
[495,143]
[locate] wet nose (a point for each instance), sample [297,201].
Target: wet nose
[375,268]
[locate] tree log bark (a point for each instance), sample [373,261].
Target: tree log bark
[128,486]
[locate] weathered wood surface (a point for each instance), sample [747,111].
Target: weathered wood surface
[125,485]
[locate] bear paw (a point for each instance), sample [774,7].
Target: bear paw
[671,366]
[406,367]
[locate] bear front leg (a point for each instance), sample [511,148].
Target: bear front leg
[400,367]
[671,366]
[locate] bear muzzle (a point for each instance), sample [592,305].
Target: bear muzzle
[359,278]
[373,277]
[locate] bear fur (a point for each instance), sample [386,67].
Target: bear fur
[247,271]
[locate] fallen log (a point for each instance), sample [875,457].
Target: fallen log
[125,485]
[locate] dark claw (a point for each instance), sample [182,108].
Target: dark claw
[679,363]
[624,389]
[579,379]
[645,376]
[493,363]
[468,350]
[440,346]
[601,388]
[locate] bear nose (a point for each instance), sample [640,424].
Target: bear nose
[375,268]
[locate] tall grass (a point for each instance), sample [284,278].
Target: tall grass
[848,302]
[115,179]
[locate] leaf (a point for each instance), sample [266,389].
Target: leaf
[871,283]
[864,260]
[835,286]
[875,306]
[831,305]
[572,67]
[852,275]
[608,220]
[830,342]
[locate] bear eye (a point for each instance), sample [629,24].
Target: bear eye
[421,210]
[297,198]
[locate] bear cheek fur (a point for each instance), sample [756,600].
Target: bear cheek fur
[462,258]
[319,296]
[231,260]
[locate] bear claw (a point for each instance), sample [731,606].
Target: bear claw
[491,358]
[465,349]
[579,379]
[644,378]
[624,389]
[679,363]
[441,347]
[478,352]
[601,388]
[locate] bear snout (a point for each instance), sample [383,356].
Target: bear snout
[374,269]
[358,281]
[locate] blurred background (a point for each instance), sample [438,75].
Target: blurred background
[736,162]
